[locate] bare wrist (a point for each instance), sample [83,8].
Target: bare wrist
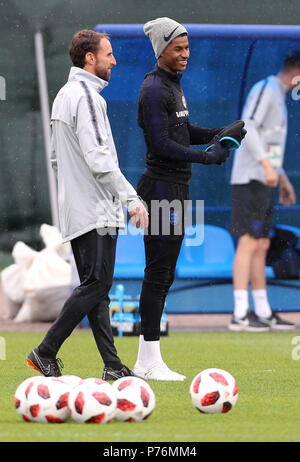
[266,163]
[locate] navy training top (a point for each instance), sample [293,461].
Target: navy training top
[164,117]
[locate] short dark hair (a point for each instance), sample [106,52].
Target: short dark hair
[291,60]
[83,42]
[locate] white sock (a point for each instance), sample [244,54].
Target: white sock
[241,303]
[261,304]
[149,353]
[140,353]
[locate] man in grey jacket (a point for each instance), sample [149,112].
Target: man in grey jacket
[91,194]
[257,170]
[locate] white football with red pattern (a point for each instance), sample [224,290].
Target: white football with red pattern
[43,400]
[135,399]
[21,397]
[92,401]
[71,380]
[214,391]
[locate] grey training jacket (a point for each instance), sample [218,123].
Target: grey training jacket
[265,116]
[91,187]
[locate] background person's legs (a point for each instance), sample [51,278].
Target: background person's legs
[247,261]
[246,248]
[258,279]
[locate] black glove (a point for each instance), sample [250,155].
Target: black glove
[216,153]
[231,136]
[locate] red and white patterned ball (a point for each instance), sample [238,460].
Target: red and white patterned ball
[135,399]
[92,401]
[214,391]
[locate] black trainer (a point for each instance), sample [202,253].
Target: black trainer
[249,323]
[277,323]
[49,367]
[112,374]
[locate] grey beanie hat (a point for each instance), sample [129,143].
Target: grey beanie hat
[161,32]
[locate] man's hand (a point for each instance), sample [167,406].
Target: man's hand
[217,154]
[231,136]
[140,217]
[271,176]
[287,194]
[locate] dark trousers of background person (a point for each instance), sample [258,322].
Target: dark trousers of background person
[161,251]
[94,256]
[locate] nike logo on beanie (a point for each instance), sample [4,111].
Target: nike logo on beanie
[158,32]
[166,39]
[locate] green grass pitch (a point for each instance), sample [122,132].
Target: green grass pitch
[264,365]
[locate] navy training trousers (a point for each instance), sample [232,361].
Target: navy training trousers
[95,259]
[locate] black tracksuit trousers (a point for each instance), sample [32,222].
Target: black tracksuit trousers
[95,257]
[162,247]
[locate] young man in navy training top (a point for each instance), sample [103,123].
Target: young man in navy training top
[164,118]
